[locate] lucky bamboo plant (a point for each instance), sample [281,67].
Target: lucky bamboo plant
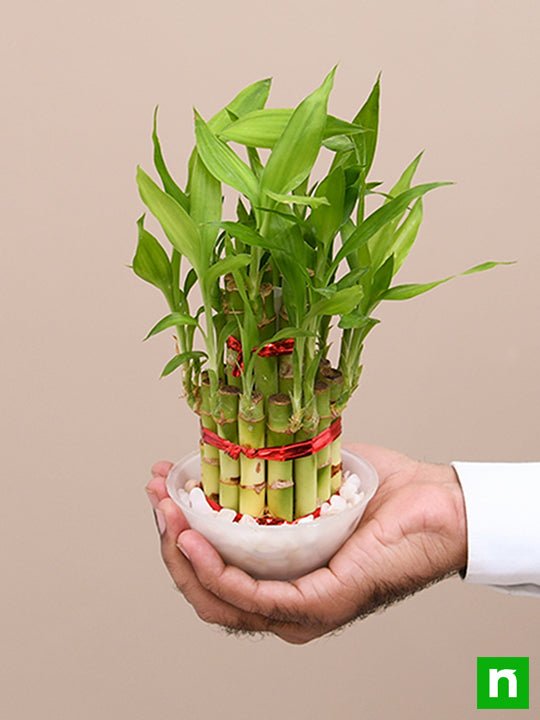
[301,263]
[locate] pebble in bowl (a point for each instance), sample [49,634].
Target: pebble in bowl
[276,552]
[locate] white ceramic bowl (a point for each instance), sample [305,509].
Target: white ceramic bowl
[275,552]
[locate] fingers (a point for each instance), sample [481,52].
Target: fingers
[156,489]
[301,602]
[208,607]
[162,468]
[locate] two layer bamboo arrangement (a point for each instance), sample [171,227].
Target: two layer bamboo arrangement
[300,258]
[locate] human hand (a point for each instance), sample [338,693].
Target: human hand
[412,534]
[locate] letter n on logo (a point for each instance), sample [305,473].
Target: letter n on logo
[502,682]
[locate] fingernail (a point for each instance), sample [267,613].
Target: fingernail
[160,521]
[183,550]
[154,500]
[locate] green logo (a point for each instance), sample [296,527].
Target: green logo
[502,682]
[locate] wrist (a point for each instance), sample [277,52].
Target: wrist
[449,515]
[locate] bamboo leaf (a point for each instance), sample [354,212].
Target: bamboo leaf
[176,223]
[169,184]
[189,282]
[382,279]
[368,117]
[205,205]
[253,97]
[223,163]
[251,237]
[226,265]
[180,359]
[297,149]
[380,218]
[169,321]
[150,262]
[288,332]
[263,128]
[411,290]
[341,302]
[382,243]
[489,265]
[326,221]
[356,321]
[310,201]
[406,234]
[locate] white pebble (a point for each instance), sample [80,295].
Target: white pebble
[190,484]
[325,507]
[347,491]
[199,502]
[357,498]
[354,481]
[227,514]
[306,519]
[248,520]
[338,503]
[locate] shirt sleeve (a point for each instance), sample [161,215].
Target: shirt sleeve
[502,505]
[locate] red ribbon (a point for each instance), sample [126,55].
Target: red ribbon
[281,454]
[273,349]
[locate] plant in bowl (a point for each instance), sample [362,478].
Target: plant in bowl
[262,301]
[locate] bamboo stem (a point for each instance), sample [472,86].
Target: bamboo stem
[209,454]
[227,425]
[280,485]
[251,433]
[335,379]
[324,463]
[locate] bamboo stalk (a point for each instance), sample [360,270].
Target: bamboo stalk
[209,454]
[335,379]
[251,433]
[227,424]
[324,462]
[280,485]
[305,471]
[233,305]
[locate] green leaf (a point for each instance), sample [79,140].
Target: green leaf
[286,333]
[382,279]
[180,359]
[355,321]
[368,117]
[380,218]
[338,143]
[253,97]
[151,262]
[313,202]
[263,128]
[172,320]
[176,223]
[326,221]
[297,149]
[226,265]
[251,237]
[405,235]
[489,265]
[341,302]
[189,282]
[382,244]
[411,290]
[169,184]
[205,205]
[223,163]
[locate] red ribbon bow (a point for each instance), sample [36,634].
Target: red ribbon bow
[273,349]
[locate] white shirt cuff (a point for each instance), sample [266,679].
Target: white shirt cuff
[502,504]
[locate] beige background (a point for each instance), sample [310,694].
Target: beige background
[91,625]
